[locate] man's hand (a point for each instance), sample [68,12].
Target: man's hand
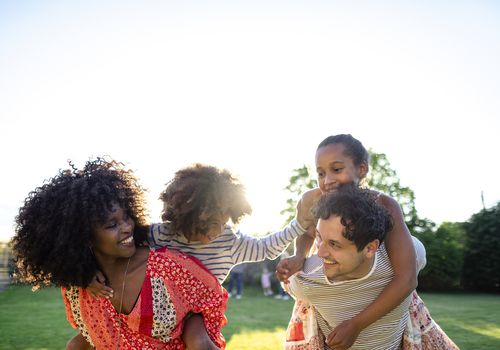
[344,335]
[97,288]
[289,266]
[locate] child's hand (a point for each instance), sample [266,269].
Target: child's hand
[97,288]
[343,336]
[287,267]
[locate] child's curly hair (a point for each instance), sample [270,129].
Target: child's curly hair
[199,193]
[363,218]
[54,226]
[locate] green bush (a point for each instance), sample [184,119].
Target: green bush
[482,258]
[445,251]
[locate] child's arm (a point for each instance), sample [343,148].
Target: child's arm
[249,249]
[195,334]
[78,342]
[289,266]
[98,288]
[303,244]
[401,252]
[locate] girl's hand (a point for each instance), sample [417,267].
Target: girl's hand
[289,266]
[344,335]
[97,288]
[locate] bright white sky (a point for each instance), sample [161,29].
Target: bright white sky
[252,86]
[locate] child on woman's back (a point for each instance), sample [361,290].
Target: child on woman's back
[198,203]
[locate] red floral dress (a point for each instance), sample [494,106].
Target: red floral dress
[175,284]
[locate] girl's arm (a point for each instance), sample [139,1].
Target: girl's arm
[401,253]
[303,244]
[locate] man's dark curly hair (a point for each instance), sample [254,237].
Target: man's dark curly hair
[55,224]
[199,193]
[364,219]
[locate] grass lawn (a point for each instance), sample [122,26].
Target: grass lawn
[37,320]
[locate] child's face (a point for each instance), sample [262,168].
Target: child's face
[216,227]
[334,168]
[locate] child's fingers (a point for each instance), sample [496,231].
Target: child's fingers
[282,275]
[106,292]
[283,271]
[100,277]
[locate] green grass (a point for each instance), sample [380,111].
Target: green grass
[37,320]
[33,320]
[471,320]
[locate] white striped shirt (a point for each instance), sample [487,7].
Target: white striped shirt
[335,302]
[229,249]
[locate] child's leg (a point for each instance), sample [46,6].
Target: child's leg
[78,342]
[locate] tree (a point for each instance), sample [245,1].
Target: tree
[445,254]
[384,179]
[482,260]
[380,177]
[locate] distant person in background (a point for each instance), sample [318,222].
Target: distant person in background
[265,281]
[236,281]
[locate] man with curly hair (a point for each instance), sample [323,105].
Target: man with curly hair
[81,221]
[348,272]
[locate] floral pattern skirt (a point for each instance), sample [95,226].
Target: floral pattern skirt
[421,332]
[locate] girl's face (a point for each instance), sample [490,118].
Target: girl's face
[114,239]
[334,168]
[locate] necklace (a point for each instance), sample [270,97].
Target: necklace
[121,303]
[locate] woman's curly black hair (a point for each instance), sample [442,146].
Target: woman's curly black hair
[54,226]
[199,193]
[364,219]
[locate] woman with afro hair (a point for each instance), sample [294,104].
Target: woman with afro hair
[82,221]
